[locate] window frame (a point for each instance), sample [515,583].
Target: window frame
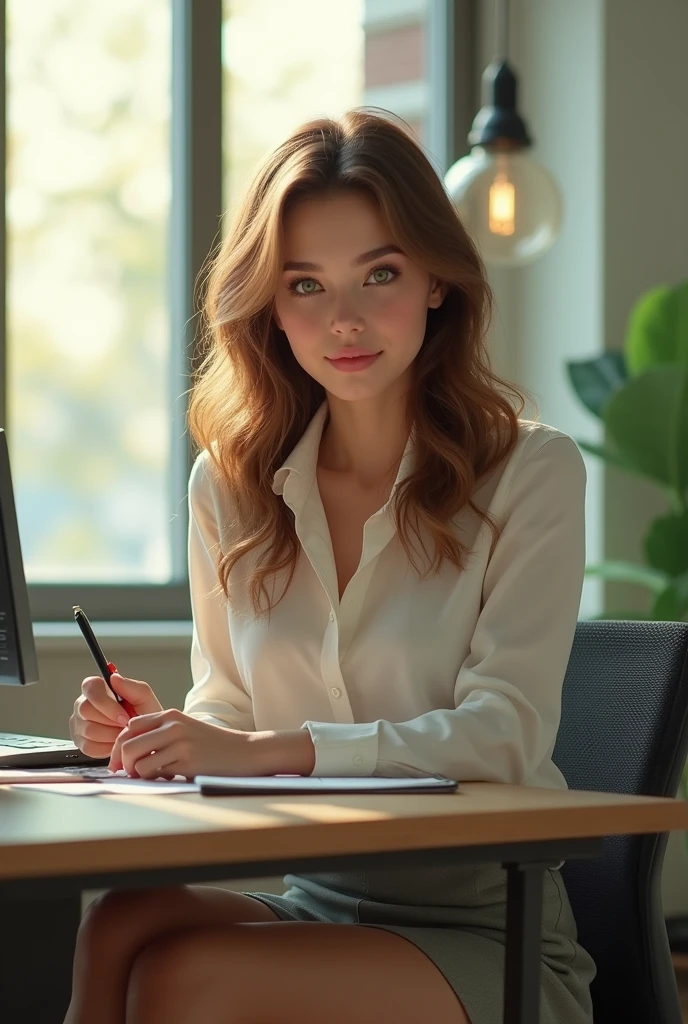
[451,59]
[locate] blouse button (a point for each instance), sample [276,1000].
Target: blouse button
[335,691]
[358,759]
[331,616]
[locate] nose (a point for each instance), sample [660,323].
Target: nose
[346,319]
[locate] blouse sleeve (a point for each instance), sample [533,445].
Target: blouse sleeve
[508,690]
[217,695]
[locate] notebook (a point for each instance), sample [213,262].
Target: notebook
[224,785]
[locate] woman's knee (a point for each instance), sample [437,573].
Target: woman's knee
[140,914]
[115,916]
[110,907]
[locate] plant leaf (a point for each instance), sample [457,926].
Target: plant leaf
[629,572]
[666,544]
[612,457]
[648,421]
[672,604]
[657,329]
[595,380]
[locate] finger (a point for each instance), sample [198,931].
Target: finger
[133,727]
[97,733]
[101,697]
[139,697]
[95,749]
[160,764]
[135,748]
[85,711]
[145,723]
[115,762]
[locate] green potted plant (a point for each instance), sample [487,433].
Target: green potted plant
[641,395]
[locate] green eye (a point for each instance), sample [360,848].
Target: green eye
[382,270]
[293,286]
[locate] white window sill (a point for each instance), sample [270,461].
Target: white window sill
[66,636]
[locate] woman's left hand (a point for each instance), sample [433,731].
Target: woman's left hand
[169,743]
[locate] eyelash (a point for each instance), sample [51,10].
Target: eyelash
[379,284]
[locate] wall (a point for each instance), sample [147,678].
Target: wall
[600,87]
[552,311]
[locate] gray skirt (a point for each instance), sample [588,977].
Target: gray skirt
[457,916]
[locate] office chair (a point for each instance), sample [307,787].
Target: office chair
[624,729]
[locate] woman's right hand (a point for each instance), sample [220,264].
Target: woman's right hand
[98,719]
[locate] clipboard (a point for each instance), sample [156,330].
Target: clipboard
[274,785]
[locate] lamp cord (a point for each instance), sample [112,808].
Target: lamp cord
[502,28]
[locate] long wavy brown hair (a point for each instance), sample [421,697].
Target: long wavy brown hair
[251,401]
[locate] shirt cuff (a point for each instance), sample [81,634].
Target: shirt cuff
[343,750]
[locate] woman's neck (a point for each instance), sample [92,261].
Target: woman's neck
[364,442]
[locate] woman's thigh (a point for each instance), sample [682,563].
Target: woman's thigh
[173,907]
[128,919]
[288,972]
[118,924]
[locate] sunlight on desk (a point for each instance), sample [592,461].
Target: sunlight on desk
[240,817]
[225,817]
[329,812]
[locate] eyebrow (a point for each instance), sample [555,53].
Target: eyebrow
[365,257]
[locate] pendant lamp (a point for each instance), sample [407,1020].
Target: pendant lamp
[508,202]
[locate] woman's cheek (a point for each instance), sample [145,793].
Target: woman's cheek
[307,345]
[302,325]
[406,317]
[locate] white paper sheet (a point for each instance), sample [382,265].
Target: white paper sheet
[115,784]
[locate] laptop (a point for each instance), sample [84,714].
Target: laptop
[18,662]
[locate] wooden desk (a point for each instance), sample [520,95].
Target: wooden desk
[54,846]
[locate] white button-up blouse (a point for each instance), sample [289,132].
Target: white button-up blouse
[458,675]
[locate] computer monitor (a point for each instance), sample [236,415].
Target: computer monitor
[18,662]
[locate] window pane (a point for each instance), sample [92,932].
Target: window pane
[288,61]
[88,336]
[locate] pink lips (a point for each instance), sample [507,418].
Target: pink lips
[347,353]
[352,363]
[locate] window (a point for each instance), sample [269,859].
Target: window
[88,337]
[130,127]
[286,62]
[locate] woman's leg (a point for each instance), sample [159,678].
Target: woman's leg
[117,925]
[288,973]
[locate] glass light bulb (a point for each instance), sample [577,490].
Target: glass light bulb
[509,204]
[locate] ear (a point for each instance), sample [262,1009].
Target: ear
[437,293]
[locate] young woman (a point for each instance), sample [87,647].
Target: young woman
[344,409]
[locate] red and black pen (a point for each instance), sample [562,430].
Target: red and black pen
[105,667]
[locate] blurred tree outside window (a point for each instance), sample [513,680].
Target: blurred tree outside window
[88,194]
[287,61]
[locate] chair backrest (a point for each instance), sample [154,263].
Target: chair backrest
[623,729]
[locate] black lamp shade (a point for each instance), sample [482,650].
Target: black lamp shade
[498,123]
